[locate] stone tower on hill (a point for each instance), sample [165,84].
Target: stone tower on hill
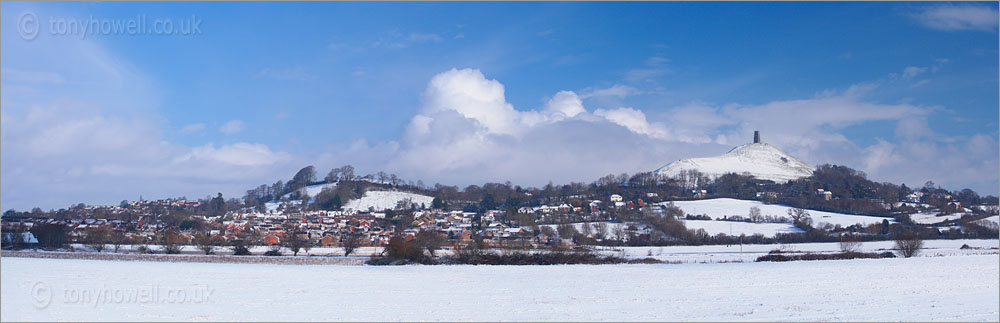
[756,137]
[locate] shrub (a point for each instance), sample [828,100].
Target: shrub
[823,256]
[909,244]
[849,243]
[273,251]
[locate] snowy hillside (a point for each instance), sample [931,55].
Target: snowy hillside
[712,227]
[760,160]
[717,208]
[313,190]
[381,200]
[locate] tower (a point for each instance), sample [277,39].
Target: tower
[756,137]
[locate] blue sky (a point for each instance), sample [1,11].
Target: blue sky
[462,93]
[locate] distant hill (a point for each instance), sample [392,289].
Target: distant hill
[760,160]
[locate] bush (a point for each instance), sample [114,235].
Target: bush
[849,243]
[144,249]
[822,256]
[273,251]
[909,244]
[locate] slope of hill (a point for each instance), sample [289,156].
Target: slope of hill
[760,160]
[381,200]
[717,208]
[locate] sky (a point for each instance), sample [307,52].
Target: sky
[195,99]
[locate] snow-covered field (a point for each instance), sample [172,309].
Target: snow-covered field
[738,228]
[712,227]
[381,200]
[994,219]
[932,218]
[954,288]
[717,208]
[750,252]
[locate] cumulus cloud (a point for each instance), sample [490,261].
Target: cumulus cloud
[963,16]
[104,141]
[232,127]
[468,133]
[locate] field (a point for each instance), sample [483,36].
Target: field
[717,208]
[938,288]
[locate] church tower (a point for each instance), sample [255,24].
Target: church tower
[756,137]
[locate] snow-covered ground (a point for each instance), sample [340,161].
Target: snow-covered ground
[717,208]
[738,228]
[711,226]
[994,219]
[750,252]
[954,288]
[761,160]
[932,218]
[381,200]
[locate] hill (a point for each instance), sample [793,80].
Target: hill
[760,160]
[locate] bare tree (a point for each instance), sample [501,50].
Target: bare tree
[207,242]
[754,215]
[601,229]
[118,238]
[429,240]
[97,238]
[171,241]
[350,242]
[849,243]
[296,242]
[909,244]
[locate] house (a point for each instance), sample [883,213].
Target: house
[652,194]
[328,240]
[270,239]
[616,198]
[698,194]
[541,238]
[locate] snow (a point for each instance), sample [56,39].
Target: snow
[717,208]
[314,190]
[712,227]
[381,200]
[750,252]
[932,218]
[995,219]
[761,160]
[957,288]
[737,228]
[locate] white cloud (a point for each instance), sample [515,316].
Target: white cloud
[963,16]
[912,71]
[238,154]
[634,120]
[193,128]
[38,77]
[232,127]
[617,90]
[468,133]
